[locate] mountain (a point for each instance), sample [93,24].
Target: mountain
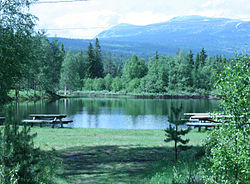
[216,35]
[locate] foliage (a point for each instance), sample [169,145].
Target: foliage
[50,62]
[228,157]
[70,78]
[108,82]
[98,84]
[16,29]
[117,84]
[134,68]
[21,162]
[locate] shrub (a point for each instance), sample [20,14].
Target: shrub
[98,84]
[88,84]
[116,84]
[107,82]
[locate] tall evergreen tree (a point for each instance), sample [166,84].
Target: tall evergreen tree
[203,57]
[90,62]
[190,58]
[81,59]
[98,60]
[190,67]
[109,66]
[197,61]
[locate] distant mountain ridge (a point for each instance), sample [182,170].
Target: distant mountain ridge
[216,35]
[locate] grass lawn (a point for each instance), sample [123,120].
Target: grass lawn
[109,155]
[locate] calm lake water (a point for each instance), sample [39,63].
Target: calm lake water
[117,113]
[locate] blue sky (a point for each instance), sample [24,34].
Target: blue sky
[86,19]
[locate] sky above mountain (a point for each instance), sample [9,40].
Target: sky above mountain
[86,18]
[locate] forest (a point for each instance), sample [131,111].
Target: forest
[49,68]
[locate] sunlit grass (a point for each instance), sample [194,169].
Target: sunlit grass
[112,155]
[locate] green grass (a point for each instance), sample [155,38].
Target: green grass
[113,155]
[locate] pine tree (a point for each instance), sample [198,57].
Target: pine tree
[197,61]
[156,56]
[98,71]
[190,59]
[203,57]
[190,67]
[90,62]
[82,65]
[173,133]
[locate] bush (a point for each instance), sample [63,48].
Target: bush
[98,84]
[107,82]
[133,85]
[88,84]
[116,84]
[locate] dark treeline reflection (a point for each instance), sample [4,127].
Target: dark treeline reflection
[115,112]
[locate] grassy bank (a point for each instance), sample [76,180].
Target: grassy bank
[114,155]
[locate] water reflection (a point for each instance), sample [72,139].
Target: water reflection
[115,112]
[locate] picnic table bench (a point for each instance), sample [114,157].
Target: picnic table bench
[206,119]
[202,120]
[47,119]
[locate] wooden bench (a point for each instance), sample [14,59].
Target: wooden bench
[206,125]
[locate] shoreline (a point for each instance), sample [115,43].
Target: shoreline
[140,96]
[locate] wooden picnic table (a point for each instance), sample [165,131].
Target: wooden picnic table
[48,119]
[206,119]
[201,120]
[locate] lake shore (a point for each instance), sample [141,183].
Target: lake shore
[171,95]
[112,155]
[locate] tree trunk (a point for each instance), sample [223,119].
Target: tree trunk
[34,89]
[65,90]
[175,145]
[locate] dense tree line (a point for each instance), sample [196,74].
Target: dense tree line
[161,74]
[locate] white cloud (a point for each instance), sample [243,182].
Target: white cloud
[143,18]
[96,15]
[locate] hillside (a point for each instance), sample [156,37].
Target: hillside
[216,35]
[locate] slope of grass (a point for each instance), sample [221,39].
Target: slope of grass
[111,155]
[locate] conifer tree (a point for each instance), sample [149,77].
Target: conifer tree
[90,62]
[197,61]
[203,57]
[190,67]
[173,133]
[98,66]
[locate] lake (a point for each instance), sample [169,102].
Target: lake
[116,113]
